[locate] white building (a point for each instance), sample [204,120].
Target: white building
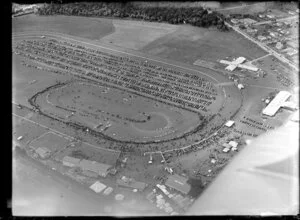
[240,86]
[97,187]
[279,45]
[232,65]
[229,123]
[276,103]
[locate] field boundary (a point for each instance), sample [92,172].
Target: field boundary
[68,136]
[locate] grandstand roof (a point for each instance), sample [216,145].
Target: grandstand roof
[179,183]
[276,103]
[94,166]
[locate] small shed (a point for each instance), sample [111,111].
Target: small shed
[97,187]
[229,123]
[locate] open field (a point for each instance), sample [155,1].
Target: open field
[28,81]
[90,28]
[200,43]
[247,9]
[84,151]
[124,116]
[135,35]
[51,141]
[26,129]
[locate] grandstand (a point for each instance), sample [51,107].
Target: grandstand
[276,103]
[232,65]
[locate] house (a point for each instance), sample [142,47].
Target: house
[234,21]
[113,171]
[93,166]
[291,12]
[240,86]
[97,187]
[261,38]
[226,145]
[229,123]
[163,189]
[43,152]
[233,145]
[178,183]
[108,191]
[169,170]
[292,52]
[225,150]
[270,16]
[70,161]
[279,45]
[250,30]
[273,34]
[248,21]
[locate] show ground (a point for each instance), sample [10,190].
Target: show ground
[132,102]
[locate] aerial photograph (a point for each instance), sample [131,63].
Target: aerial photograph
[143,108]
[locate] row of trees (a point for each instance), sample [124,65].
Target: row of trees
[195,16]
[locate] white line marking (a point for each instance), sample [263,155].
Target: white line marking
[65,135]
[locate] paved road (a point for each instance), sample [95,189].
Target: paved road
[265,47]
[235,7]
[277,20]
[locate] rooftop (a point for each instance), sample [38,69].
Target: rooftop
[179,183]
[229,123]
[72,160]
[94,166]
[276,103]
[98,187]
[132,184]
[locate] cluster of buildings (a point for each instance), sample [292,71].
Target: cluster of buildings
[172,195]
[89,168]
[18,10]
[230,145]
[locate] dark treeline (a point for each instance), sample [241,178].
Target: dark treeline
[199,17]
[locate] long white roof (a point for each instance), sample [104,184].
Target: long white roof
[276,103]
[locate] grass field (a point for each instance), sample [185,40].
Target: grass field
[84,151]
[90,28]
[135,34]
[129,117]
[26,129]
[28,81]
[200,43]
[51,141]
